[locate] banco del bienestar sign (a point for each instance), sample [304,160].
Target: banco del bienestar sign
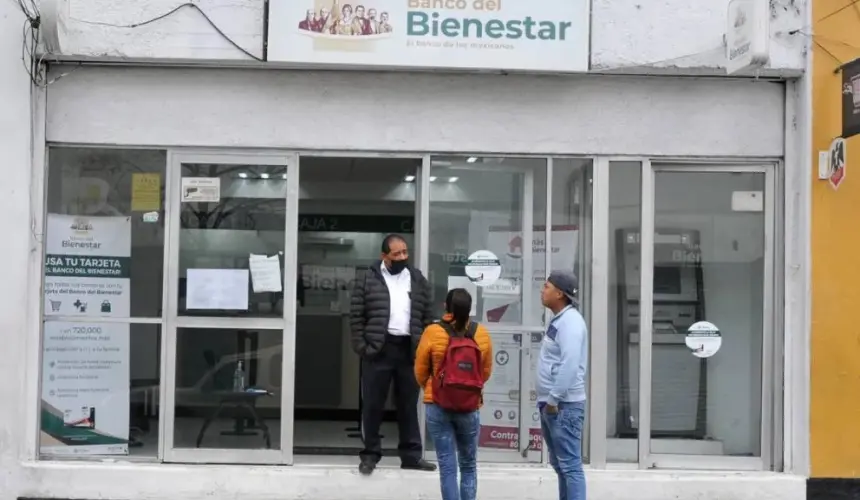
[523,35]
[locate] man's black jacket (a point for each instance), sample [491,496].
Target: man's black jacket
[371,307]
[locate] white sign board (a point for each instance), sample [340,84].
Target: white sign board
[85,365]
[747,35]
[550,35]
[201,189]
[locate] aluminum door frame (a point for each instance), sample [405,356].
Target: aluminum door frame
[647,459]
[173,321]
[523,454]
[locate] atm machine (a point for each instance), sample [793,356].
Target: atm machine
[678,379]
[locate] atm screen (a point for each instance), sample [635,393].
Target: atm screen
[667,280]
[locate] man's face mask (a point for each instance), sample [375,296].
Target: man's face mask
[397,266]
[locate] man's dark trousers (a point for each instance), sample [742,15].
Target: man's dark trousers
[394,363]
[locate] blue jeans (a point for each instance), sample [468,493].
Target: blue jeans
[563,435]
[455,436]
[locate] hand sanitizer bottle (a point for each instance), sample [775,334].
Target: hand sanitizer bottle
[239,378]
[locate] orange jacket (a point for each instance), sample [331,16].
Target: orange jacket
[431,351]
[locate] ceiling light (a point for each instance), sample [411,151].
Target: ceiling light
[471,159]
[409,178]
[284,176]
[264,176]
[432,178]
[452,179]
[243,175]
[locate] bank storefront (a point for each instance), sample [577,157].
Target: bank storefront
[202,230]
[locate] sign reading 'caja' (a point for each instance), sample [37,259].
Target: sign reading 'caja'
[526,35]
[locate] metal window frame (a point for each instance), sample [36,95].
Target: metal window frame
[173,321]
[781,438]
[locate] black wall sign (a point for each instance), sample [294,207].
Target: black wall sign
[851,99]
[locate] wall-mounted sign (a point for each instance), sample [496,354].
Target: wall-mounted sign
[747,35]
[550,35]
[836,171]
[851,99]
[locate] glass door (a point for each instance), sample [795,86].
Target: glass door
[482,215]
[230,308]
[706,300]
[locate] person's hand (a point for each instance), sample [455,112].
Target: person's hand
[552,410]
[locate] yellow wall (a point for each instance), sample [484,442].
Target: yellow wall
[835,370]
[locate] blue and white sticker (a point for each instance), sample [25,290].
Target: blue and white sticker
[704,339]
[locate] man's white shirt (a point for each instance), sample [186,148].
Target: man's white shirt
[400,302]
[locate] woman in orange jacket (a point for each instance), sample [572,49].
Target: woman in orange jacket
[454,434]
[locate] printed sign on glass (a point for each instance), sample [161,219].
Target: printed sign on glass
[85,363]
[704,339]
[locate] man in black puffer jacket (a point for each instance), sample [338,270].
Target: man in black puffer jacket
[390,308]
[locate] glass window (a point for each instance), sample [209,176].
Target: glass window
[622,413]
[210,412]
[248,218]
[104,254]
[709,279]
[479,208]
[105,219]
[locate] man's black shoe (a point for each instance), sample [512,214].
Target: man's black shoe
[422,465]
[366,467]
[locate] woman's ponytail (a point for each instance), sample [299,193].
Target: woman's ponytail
[459,304]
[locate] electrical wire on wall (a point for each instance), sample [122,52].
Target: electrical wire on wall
[30,39]
[169,13]
[818,39]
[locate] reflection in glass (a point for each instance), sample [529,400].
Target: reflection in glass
[228,388]
[246,216]
[708,267]
[625,207]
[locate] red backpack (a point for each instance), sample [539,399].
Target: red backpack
[459,383]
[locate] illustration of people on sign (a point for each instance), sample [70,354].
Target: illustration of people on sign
[346,21]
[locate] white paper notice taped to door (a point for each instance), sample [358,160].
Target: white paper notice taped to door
[265,273]
[201,189]
[217,289]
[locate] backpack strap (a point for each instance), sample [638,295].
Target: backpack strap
[470,331]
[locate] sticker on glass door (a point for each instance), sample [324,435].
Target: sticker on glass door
[201,189]
[704,339]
